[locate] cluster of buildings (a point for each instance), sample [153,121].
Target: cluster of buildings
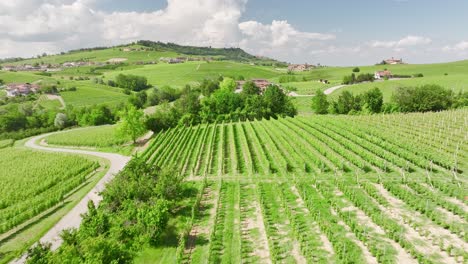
[378,75]
[29,67]
[17,89]
[393,61]
[262,84]
[184,59]
[300,67]
[47,67]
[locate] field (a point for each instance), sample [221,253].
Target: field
[102,138]
[178,75]
[41,181]
[341,189]
[101,56]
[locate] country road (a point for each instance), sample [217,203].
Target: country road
[73,218]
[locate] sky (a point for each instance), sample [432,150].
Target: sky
[331,32]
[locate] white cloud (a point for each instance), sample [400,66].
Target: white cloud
[58,25]
[407,41]
[279,39]
[459,47]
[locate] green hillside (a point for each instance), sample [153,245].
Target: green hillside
[178,75]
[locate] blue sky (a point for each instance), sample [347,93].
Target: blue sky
[333,32]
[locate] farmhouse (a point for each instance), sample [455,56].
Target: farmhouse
[262,84]
[382,74]
[16,89]
[300,67]
[393,61]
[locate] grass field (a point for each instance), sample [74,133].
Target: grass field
[340,189]
[102,138]
[178,75]
[101,56]
[6,143]
[89,93]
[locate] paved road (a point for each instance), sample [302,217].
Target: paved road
[73,218]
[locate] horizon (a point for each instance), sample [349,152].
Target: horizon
[282,31]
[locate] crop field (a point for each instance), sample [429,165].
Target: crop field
[101,136]
[36,181]
[178,75]
[359,189]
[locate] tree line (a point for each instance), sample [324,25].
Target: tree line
[405,99]
[217,101]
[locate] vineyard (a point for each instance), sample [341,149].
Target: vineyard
[341,189]
[33,182]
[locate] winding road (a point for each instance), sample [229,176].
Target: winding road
[73,218]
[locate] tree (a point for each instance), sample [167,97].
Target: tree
[356,69]
[131,123]
[131,82]
[374,100]
[345,103]
[164,118]
[60,120]
[250,88]
[320,103]
[207,86]
[423,98]
[228,84]
[275,99]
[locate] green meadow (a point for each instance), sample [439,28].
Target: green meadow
[178,75]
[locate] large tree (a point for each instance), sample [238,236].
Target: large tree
[320,103]
[131,123]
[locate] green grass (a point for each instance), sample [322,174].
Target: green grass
[47,104]
[101,56]
[303,104]
[6,143]
[309,88]
[103,138]
[89,93]
[178,75]
[23,77]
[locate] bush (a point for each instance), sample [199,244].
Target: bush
[131,82]
[423,98]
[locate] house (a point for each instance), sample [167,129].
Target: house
[9,68]
[262,84]
[174,60]
[383,74]
[300,67]
[16,89]
[393,61]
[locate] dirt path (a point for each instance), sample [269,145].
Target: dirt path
[56,97]
[332,89]
[73,218]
